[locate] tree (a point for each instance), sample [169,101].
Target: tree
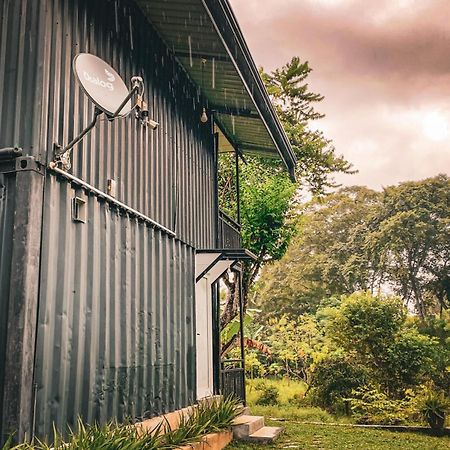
[374,331]
[316,155]
[326,257]
[267,197]
[410,239]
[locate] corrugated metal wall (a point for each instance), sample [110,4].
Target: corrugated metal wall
[116,328]
[116,335]
[166,174]
[7,206]
[20,55]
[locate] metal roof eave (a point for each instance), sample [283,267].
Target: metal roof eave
[219,37]
[223,17]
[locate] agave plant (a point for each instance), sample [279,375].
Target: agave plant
[208,417]
[433,409]
[218,415]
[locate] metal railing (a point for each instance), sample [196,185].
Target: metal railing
[229,232]
[233,378]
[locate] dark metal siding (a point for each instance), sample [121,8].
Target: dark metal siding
[116,327]
[116,335]
[20,53]
[6,228]
[166,174]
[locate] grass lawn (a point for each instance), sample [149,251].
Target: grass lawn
[329,437]
[298,435]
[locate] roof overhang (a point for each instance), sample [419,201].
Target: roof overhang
[197,30]
[213,263]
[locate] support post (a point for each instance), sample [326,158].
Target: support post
[215,298]
[238,194]
[18,393]
[241,332]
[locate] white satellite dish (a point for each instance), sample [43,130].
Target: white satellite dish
[110,95]
[102,84]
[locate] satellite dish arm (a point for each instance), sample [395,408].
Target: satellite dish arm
[137,82]
[72,143]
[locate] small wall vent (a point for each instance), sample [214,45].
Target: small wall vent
[79,210]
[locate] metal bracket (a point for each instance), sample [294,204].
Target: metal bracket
[22,164]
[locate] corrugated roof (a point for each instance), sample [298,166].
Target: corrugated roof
[207,41]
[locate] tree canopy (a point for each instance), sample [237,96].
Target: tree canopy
[358,239]
[267,195]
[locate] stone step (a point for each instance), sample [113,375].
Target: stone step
[245,411]
[265,435]
[244,426]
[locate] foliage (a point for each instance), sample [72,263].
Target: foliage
[288,389]
[439,329]
[268,394]
[209,417]
[410,237]
[253,366]
[433,407]
[295,345]
[267,196]
[358,239]
[217,415]
[294,103]
[370,406]
[333,380]
[374,331]
[326,258]
[111,436]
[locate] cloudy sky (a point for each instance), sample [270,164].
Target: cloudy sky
[384,69]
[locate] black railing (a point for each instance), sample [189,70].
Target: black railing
[233,379]
[229,232]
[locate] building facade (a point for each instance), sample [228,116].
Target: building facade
[100,264]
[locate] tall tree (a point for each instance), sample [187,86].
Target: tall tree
[295,105]
[410,235]
[326,258]
[266,194]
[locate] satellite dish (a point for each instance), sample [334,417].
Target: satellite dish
[102,84]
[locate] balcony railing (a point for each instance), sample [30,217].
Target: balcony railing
[233,379]
[229,232]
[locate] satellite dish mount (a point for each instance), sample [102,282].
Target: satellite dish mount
[110,95]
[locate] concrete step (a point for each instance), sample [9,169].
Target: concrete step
[265,435]
[245,411]
[244,426]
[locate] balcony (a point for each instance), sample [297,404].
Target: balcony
[229,232]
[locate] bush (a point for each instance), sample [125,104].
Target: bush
[333,380]
[369,406]
[269,394]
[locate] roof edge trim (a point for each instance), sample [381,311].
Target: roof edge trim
[228,29]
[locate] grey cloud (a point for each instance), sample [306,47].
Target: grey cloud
[376,62]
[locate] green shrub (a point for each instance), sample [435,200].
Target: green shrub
[111,436]
[268,394]
[300,400]
[217,415]
[369,406]
[333,380]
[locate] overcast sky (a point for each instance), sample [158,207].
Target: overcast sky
[384,69]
